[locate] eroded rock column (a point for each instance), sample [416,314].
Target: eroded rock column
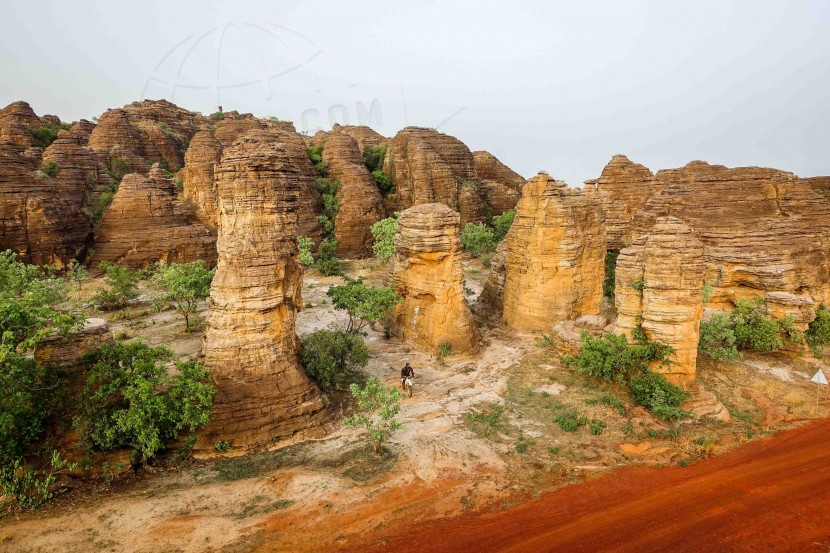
[250,343]
[553,256]
[426,270]
[659,281]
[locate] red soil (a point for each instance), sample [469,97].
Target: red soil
[772,495]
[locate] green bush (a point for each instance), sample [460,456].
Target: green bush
[305,244]
[383,182]
[377,406]
[638,285]
[384,234]
[373,157]
[444,350]
[184,285]
[131,400]
[478,239]
[122,286]
[610,274]
[331,203]
[327,264]
[44,136]
[609,358]
[315,154]
[217,116]
[30,486]
[364,303]
[818,333]
[119,166]
[717,338]
[570,421]
[597,426]
[502,224]
[50,169]
[654,392]
[330,356]
[754,330]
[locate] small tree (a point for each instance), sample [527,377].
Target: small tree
[365,304]
[754,329]
[717,338]
[76,273]
[502,224]
[330,356]
[184,285]
[818,333]
[478,239]
[122,286]
[383,182]
[305,244]
[377,406]
[384,234]
[327,264]
[373,157]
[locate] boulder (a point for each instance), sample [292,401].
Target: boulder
[250,343]
[426,271]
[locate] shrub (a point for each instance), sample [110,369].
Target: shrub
[754,330]
[570,421]
[327,264]
[50,169]
[305,244]
[331,203]
[638,285]
[119,166]
[330,356]
[478,239]
[596,427]
[383,182]
[377,406]
[502,224]
[30,486]
[217,116]
[327,224]
[384,234]
[444,350]
[609,358]
[373,157]
[717,338]
[610,273]
[77,273]
[44,136]
[818,333]
[364,303]
[315,154]
[222,445]
[184,285]
[122,286]
[131,400]
[654,392]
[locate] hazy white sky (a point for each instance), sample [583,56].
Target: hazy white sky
[559,86]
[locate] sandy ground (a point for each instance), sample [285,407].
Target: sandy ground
[478,436]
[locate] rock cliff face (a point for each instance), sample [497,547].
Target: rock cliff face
[250,343]
[764,230]
[200,159]
[554,254]
[488,167]
[363,135]
[361,204]
[427,166]
[426,270]
[659,281]
[624,187]
[41,217]
[146,223]
[500,197]
[17,121]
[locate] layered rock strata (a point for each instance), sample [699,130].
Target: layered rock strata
[146,223]
[659,282]
[201,157]
[489,167]
[426,271]
[553,257]
[250,344]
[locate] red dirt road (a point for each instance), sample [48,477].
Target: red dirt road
[772,495]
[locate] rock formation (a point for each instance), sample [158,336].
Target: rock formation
[488,167]
[363,135]
[499,197]
[200,159]
[659,281]
[250,343]
[17,121]
[426,270]
[427,166]
[146,223]
[553,257]
[361,204]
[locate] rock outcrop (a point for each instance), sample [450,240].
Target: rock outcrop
[361,204]
[659,281]
[553,257]
[426,271]
[427,166]
[363,135]
[17,121]
[250,343]
[499,197]
[488,167]
[146,223]
[200,159]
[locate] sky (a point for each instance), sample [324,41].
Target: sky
[543,85]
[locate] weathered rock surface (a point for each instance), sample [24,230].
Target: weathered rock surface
[426,270]
[200,159]
[500,197]
[361,204]
[659,281]
[363,135]
[17,121]
[488,167]
[146,223]
[40,218]
[554,257]
[79,177]
[250,343]
[624,187]
[426,167]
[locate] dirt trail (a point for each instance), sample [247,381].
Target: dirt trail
[772,495]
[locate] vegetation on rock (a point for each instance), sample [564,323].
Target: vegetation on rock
[330,357]
[384,233]
[373,157]
[502,224]
[305,245]
[478,239]
[326,263]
